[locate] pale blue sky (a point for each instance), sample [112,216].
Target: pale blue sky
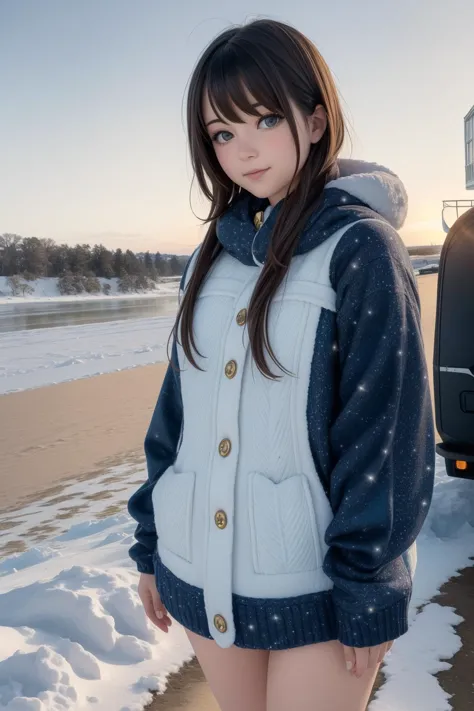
[92,139]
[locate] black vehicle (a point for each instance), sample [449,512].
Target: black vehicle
[453,361]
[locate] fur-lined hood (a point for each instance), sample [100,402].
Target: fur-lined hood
[360,190]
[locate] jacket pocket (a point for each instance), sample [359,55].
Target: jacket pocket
[283,528]
[173,499]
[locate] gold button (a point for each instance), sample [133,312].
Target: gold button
[220,623]
[231,369]
[242,317]
[221,519]
[225,447]
[258,219]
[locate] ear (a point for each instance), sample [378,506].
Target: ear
[318,122]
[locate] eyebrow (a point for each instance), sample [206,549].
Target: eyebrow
[216,120]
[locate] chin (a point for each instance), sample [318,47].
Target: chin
[263,191]
[260,191]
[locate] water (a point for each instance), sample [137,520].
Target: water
[18,316]
[26,316]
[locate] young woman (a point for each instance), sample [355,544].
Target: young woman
[291,452]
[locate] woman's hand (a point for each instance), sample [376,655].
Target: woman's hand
[359,659]
[150,597]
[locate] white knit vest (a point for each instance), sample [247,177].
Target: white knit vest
[267,488]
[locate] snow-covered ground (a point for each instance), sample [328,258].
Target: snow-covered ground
[424,260]
[31,359]
[424,263]
[73,634]
[46,289]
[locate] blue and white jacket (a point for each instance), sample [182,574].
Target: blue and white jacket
[281,513]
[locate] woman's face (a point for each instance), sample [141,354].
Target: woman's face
[259,154]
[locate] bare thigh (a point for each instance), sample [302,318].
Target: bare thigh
[237,677]
[315,678]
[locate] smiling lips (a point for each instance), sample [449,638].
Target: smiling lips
[256,174]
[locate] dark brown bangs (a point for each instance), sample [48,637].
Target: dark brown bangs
[236,81]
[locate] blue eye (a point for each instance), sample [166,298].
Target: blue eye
[271,119]
[221,133]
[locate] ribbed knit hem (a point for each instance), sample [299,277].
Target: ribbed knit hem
[143,557]
[260,623]
[145,564]
[147,568]
[372,628]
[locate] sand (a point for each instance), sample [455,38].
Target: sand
[51,434]
[54,433]
[427,286]
[458,593]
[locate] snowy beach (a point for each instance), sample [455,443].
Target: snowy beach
[46,290]
[73,635]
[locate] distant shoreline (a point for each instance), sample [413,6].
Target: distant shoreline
[45,290]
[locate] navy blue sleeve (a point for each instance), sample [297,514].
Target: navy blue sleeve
[381,438]
[161,445]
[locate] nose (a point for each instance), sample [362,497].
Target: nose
[246,149]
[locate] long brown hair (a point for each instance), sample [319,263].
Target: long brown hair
[274,63]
